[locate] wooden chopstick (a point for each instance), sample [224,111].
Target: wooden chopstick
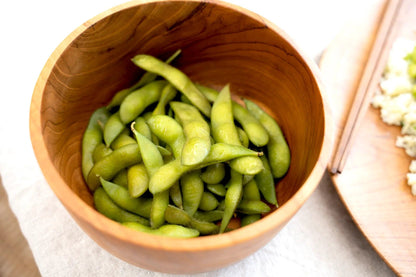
[368,82]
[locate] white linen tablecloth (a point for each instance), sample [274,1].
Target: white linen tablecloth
[321,240]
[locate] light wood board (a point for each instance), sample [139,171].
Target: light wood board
[373,183]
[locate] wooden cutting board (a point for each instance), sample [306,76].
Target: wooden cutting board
[373,183]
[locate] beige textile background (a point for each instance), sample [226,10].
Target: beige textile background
[321,240]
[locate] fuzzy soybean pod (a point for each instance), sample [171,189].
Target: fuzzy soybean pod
[170,172]
[167,230]
[192,189]
[253,207]
[141,126]
[146,78]
[277,148]
[196,130]
[243,137]
[177,78]
[210,216]
[208,202]
[251,191]
[169,131]
[175,215]
[232,198]
[100,152]
[121,178]
[113,128]
[107,207]
[153,160]
[265,182]
[122,139]
[217,189]
[176,195]
[213,174]
[137,101]
[224,130]
[209,93]
[120,196]
[92,137]
[111,164]
[249,219]
[137,180]
[168,93]
[252,127]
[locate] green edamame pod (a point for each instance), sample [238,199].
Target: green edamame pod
[113,128]
[197,133]
[213,174]
[222,121]
[153,160]
[141,126]
[176,195]
[224,130]
[249,219]
[169,131]
[232,198]
[166,176]
[218,189]
[121,178]
[137,180]
[192,190]
[247,178]
[168,230]
[107,207]
[210,93]
[208,202]
[168,93]
[120,196]
[100,152]
[278,149]
[135,103]
[265,182]
[177,78]
[251,191]
[164,152]
[253,207]
[209,216]
[122,140]
[243,137]
[111,164]
[151,156]
[170,172]
[118,98]
[146,78]
[175,215]
[149,77]
[159,205]
[252,127]
[204,227]
[93,136]
[222,152]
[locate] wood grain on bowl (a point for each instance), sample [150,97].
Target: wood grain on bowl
[221,43]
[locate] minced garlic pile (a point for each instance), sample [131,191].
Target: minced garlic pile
[397,98]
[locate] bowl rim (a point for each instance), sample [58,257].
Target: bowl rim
[113,229]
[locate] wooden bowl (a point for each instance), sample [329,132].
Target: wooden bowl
[221,43]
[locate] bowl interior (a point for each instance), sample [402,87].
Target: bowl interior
[219,46]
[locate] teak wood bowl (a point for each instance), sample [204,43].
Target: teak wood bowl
[221,43]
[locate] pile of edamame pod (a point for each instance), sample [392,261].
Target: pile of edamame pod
[171,157]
